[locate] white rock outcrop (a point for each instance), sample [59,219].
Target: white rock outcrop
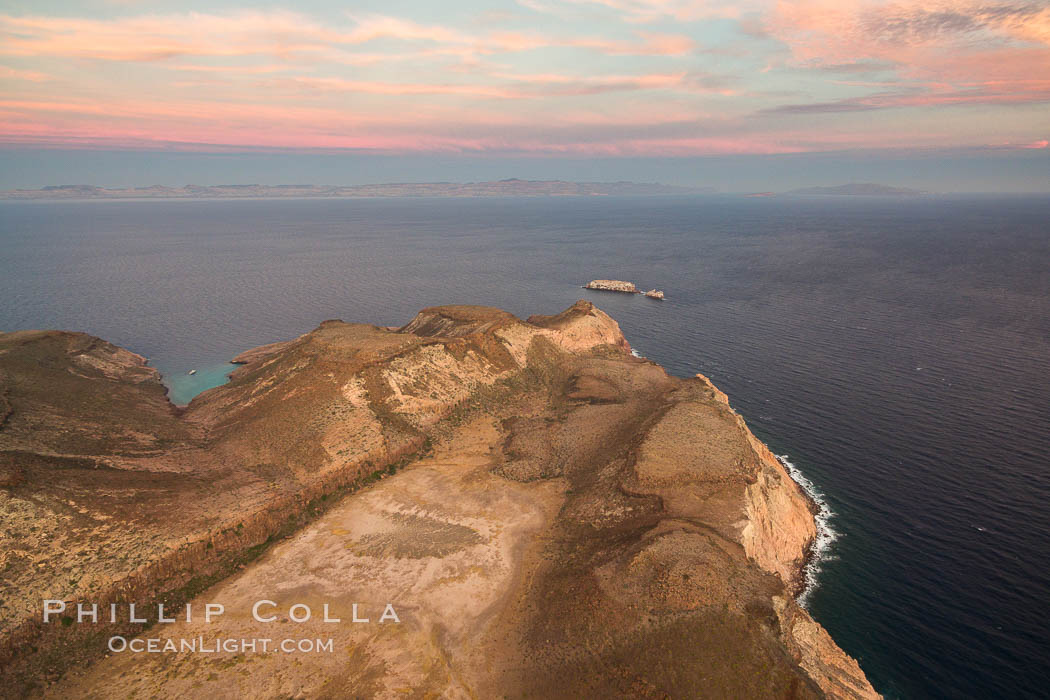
[612,286]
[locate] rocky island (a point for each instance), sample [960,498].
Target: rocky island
[862,189]
[549,515]
[612,286]
[621,286]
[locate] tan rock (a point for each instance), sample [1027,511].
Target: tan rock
[837,673]
[612,286]
[549,515]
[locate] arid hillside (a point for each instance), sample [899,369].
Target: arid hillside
[550,516]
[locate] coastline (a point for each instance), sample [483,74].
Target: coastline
[303,424]
[818,550]
[512,187]
[804,583]
[183,387]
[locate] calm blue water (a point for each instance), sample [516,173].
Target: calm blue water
[896,350]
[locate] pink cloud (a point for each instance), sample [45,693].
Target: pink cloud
[951,46]
[203,126]
[278,33]
[152,37]
[645,11]
[30,75]
[280,79]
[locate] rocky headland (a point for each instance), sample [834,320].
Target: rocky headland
[551,516]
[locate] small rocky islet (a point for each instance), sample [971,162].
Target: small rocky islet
[622,286]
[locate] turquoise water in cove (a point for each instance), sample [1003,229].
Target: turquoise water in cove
[183,387]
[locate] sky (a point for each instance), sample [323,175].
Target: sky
[941,94]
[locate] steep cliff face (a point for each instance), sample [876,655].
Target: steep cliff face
[565,519]
[581,328]
[838,674]
[779,526]
[777,533]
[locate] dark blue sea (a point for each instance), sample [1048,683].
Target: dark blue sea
[896,351]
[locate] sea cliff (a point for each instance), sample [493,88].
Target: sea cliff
[551,515]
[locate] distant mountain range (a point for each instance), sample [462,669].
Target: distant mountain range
[502,188]
[861,188]
[512,187]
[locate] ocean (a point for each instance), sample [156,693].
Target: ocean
[894,351]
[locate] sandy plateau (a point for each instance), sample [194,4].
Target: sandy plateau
[549,516]
[443,541]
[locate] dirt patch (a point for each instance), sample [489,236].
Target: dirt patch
[416,537]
